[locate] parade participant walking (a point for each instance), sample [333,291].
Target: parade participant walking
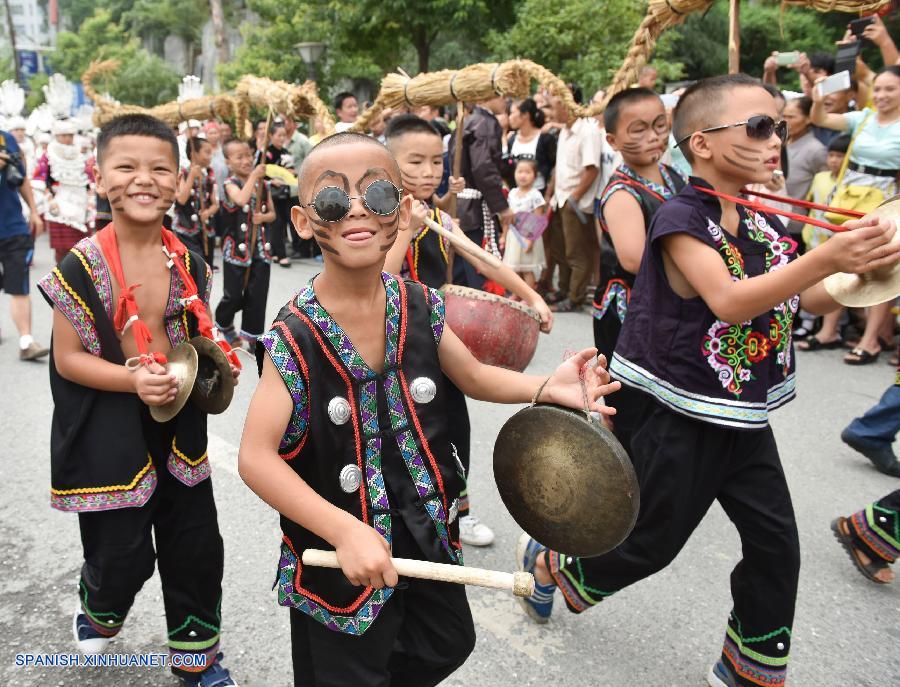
[196,201]
[637,128]
[17,243]
[246,252]
[63,175]
[140,487]
[335,390]
[708,337]
[483,197]
[423,256]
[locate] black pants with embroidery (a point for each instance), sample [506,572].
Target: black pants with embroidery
[683,465]
[874,529]
[251,301]
[119,557]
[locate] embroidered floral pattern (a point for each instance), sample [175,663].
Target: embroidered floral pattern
[731,350]
[76,311]
[617,292]
[188,472]
[95,266]
[356,624]
[87,501]
[436,313]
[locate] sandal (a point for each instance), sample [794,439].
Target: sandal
[862,357]
[813,343]
[284,262]
[870,569]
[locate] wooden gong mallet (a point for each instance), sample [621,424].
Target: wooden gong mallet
[519,583]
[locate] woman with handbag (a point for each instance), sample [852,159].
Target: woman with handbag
[868,177]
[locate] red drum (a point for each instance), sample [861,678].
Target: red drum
[497,330]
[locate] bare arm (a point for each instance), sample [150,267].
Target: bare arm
[694,268]
[489,383]
[817,301]
[820,117]
[363,554]
[625,223]
[185,185]
[241,196]
[35,223]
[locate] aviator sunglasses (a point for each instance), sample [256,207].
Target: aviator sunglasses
[759,127]
[332,204]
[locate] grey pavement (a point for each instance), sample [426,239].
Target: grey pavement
[666,630]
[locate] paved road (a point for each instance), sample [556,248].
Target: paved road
[664,631]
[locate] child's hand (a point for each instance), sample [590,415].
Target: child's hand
[258,172]
[154,385]
[543,311]
[365,557]
[235,372]
[564,386]
[457,184]
[417,215]
[866,248]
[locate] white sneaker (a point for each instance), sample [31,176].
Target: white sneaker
[474,532]
[87,639]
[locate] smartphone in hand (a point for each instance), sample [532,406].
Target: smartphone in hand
[834,83]
[857,26]
[785,59]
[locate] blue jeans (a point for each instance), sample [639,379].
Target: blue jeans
[880,424]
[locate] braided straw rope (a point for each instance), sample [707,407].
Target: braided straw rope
[285,98]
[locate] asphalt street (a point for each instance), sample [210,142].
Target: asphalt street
[666,630]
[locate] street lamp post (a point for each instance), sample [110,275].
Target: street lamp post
[310,53]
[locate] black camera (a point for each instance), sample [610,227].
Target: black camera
[12,172]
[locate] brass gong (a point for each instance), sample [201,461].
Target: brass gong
[214,385]
[566,480]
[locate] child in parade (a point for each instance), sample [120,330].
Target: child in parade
[637,128]
[246,252]
[197,202]
[528,262]
[425,257]
[708,337]
[141,488]
[347,435]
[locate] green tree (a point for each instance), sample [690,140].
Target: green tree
[583,41]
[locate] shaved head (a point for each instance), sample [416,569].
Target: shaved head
[328,148]
[702,104]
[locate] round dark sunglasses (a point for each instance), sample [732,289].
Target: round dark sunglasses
[332,203]
[759,127]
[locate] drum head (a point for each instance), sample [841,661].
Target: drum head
[566,481]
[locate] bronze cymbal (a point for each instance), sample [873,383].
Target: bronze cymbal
[214,385]
[182,362]
[566,480]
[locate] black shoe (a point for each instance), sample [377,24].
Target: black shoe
[882,457]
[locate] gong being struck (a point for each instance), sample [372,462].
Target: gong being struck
[566,480]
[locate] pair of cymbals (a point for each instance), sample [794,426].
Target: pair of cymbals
[878,286]
[202,373]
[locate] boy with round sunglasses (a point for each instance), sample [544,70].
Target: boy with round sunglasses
[347,436]
[708,338]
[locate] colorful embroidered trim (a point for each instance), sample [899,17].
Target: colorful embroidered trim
[176,314]
[94,264]
[354,625]
[569,576]
[75,310]
[751,665]
[716,410]
[108,623]
[296,432]
[132,495]
[195,666]
[616,291]
[436,313]
[188,472]
[879,528]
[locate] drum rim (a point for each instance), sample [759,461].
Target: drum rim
[477,294]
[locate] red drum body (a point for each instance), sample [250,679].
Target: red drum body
[496,330]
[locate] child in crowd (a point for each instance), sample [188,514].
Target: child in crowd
[347,436]
[141,488]
[637,127]
[246,253]
[423,256]
[708,338]
[197,201]
[820,191]
[527,261]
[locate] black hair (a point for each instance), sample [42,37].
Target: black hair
[773,91]
[889,69]
[529,106]
[232,141]
[408,124]
[340,98]
[136,125]
[823,61]
[340,139]
[804,103]
[194,144]
[528,160]
[620,101]
[256,125]
[701,103]
[839,144]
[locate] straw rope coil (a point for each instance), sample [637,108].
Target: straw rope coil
[839,5]
[285,98]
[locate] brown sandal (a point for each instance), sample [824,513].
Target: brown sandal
[869,570]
